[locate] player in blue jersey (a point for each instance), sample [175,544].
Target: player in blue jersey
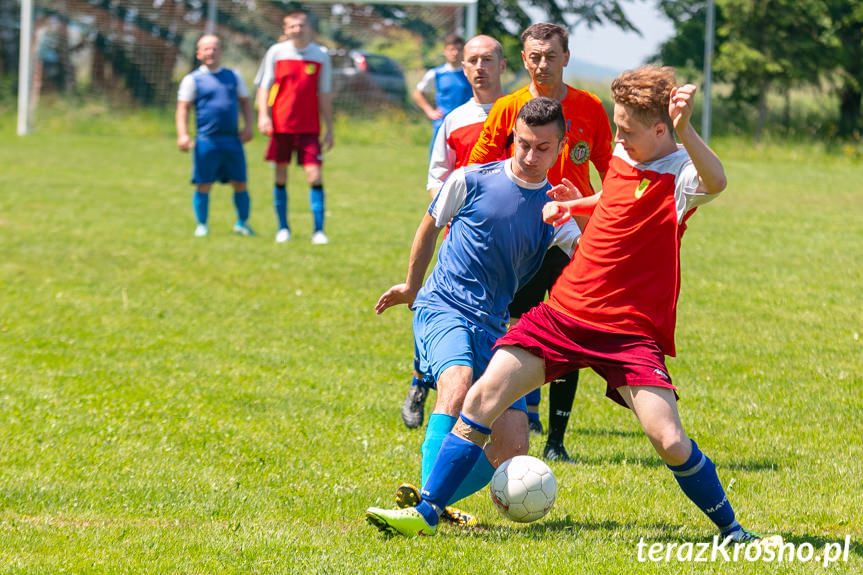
[496,243]
[450,85]
[218,96]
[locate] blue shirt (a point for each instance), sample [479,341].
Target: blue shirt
[451,88]
[496,243]
[216,103]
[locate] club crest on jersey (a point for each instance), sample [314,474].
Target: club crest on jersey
[639,191]
[311,69]
[579,153]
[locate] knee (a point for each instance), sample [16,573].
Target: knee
[673,448]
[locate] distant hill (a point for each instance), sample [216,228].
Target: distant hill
[588,71]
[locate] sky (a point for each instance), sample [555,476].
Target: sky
[609,47]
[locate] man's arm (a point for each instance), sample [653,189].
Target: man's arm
[325,102]
[419,97]
[181,119]
[265,122]
[558,213]
[422,251]
[246,112]
[711,174]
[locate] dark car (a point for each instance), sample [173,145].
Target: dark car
[364,77]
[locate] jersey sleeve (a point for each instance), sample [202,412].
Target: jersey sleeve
[491,144]
[187,90]
[442,160]
[566,237]
[242,90]
[450,199]
[602,146]
[325,79]
[686,193]
[267,73]
[426,81]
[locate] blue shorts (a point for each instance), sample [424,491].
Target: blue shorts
[219,160]
[445,338]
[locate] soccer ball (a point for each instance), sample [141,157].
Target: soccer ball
[523,489]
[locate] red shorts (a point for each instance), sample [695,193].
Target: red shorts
[566,344]
[282,147]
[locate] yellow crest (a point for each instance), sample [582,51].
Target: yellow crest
[639,191]
[311,68]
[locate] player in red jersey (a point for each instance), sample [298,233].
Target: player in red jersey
[545,54]
[613,308]
[294,92]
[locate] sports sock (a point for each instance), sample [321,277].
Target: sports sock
[456,459]
[280,203]
[201,203]
[316,202]
[242,202]
[561,393]
[698,480]
[533,398]
[439,425]
[479,476]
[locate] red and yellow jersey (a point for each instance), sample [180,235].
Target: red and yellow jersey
[295,79]
[625,274]
[588,134]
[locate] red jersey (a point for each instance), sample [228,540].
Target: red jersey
[294,79]
[625,274]
[455,140]
[588,134]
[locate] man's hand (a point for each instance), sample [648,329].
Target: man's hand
[555,213]
[564,192]
[246,134]
[434,114]
[680,105]
[184,142]
[398,294]
[327,142]
[265,125]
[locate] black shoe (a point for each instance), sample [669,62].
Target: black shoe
[535,426]
[413,409]
[556,452]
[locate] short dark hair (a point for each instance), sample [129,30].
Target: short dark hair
[541,112]
[453,39]
[546,31]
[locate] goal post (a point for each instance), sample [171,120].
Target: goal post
[132,53]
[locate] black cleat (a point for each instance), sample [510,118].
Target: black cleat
[413,409]
[555,451]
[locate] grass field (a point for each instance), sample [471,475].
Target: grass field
[226,405]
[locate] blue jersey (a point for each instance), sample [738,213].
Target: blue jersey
[216,108]
[451,88]
[496,243]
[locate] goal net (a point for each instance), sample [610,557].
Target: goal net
[126,54]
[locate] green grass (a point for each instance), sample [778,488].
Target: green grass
[226,405]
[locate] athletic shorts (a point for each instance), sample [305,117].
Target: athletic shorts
[566,344]
[282,147]
[443,339]
[533,292]
[218,160]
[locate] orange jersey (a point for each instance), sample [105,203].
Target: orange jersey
[588,134]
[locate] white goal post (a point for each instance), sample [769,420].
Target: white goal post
[163,29]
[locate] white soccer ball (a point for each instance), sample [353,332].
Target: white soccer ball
[523,488]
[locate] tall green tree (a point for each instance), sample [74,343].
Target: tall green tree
[846,52]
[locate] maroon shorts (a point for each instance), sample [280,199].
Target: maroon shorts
[566,344]
[307,146]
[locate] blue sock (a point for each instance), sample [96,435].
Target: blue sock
[280,203]
[456,458]
[242,202]
[201,203]
[698,480]
[438,426]
[316,202]
[480,475]
[533,398]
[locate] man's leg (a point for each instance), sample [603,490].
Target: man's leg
[561,394]
[201,205]
[316,201]
[656,410]
[280,202]
[243,204]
